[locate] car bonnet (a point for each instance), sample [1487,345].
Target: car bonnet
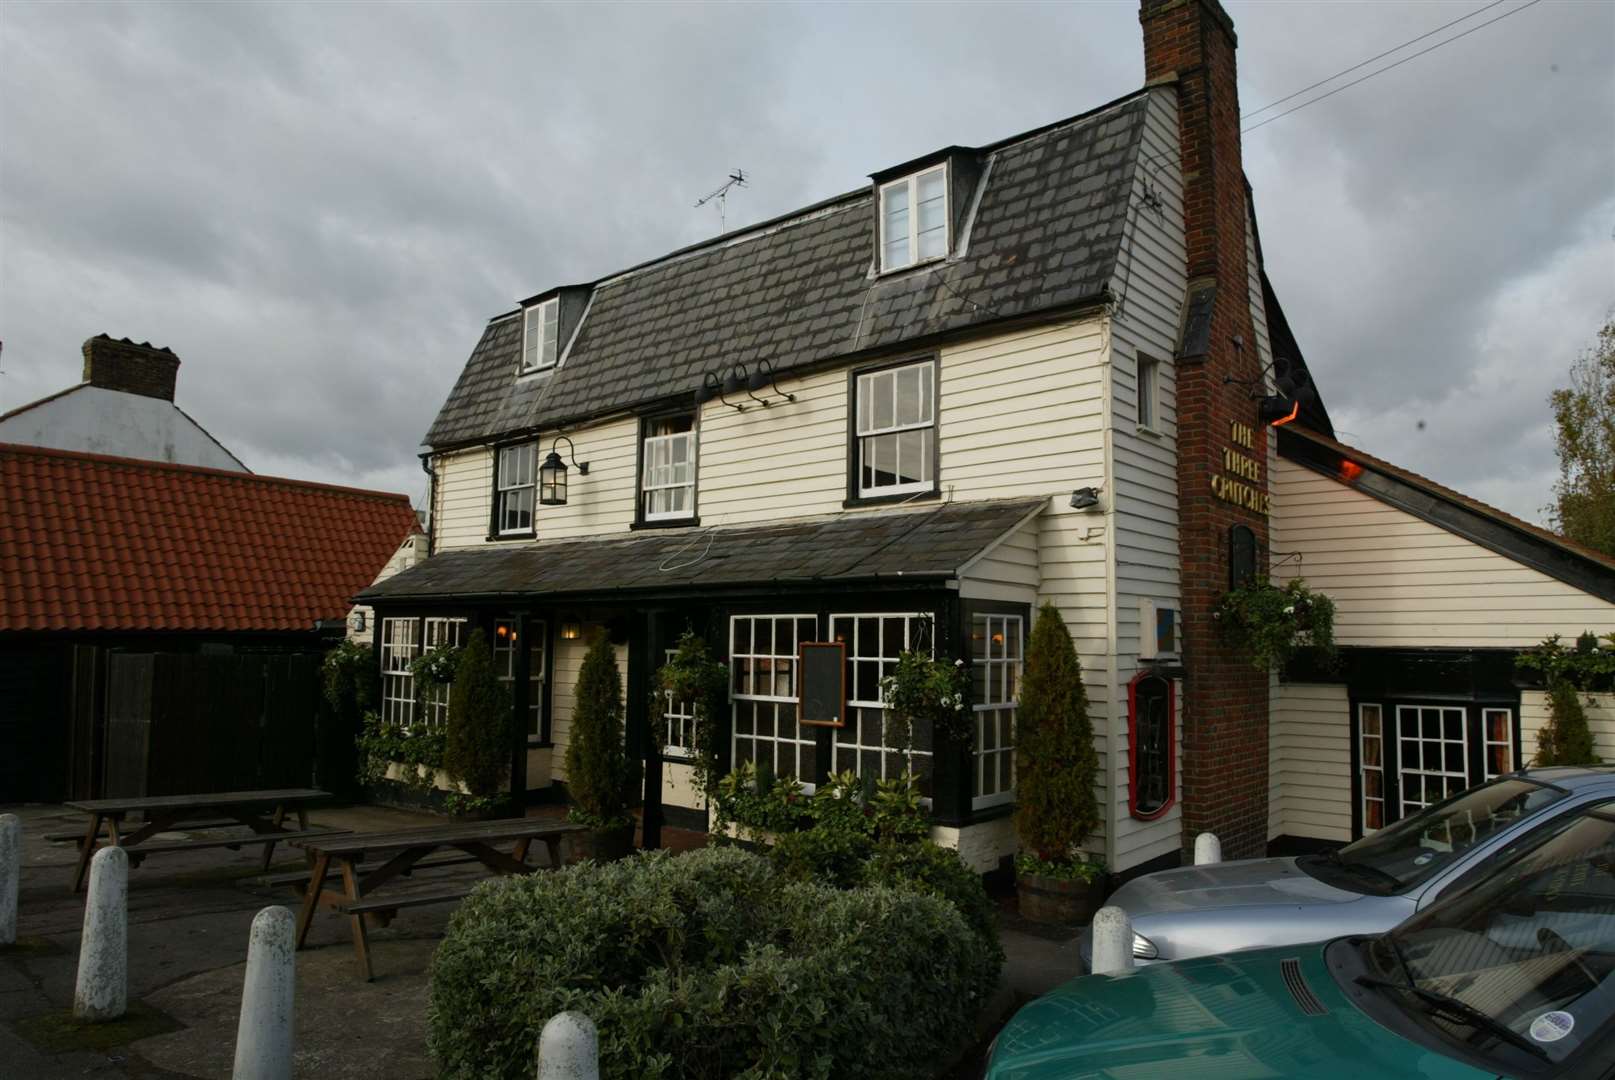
[1273,1012]
[1247,883]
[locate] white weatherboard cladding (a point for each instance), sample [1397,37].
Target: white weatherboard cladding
[95,420]
[1008,572]
[1141,498]
[1396,579]
[1600,720]
[1309,761]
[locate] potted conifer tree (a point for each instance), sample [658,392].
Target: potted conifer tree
[1056,809]
[476,750]
[601,776]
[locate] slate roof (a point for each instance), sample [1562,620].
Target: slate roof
[96,543]
[922,545]
[1046,233]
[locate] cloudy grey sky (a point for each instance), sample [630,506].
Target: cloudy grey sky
[318,205]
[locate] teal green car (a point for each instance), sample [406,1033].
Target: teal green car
[1512,975]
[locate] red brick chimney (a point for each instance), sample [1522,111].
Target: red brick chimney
[1225,710]
[130,368]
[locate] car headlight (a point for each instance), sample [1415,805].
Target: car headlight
[1143,947]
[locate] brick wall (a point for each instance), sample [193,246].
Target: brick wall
[130,368]
[1225,708]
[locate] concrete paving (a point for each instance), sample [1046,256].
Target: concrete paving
[189,919]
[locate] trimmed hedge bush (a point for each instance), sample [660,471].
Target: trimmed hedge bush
[703,966]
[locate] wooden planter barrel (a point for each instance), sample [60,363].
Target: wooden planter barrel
[1058,901]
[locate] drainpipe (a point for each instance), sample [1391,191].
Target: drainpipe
[431,501]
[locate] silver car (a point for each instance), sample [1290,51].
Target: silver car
[1366,887]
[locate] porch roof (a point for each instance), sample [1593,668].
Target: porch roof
[922,545]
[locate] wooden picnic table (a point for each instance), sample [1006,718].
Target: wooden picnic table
[261,811]
[398,853]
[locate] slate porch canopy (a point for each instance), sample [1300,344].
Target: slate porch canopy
[918,547]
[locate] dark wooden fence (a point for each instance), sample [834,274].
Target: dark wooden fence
[183,723]
[34,694]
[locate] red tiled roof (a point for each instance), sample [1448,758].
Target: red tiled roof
[89,542]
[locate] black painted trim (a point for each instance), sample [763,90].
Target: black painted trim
[1532,550]
[854,499]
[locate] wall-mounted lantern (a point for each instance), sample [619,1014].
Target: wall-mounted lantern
[356,621]
[552,474]
[571,628]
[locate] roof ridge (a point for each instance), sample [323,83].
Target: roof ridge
[22,449]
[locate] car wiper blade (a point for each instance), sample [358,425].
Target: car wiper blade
[1390,880]
[1460,1010]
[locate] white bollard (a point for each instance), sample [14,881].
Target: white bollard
[569,1048]
[102,992]
[1207,849]
[264,1035]
[10,875]
[1112,941]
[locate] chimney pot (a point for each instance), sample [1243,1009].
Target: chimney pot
[130,368]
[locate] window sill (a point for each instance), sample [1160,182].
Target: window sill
[919,264]
[1150,432]
[494,538]
[539,744]
[670,523]
[860,501]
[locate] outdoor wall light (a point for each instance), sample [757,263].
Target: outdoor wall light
[1085,498]
[766,376]
[552,474]
[356,622]
[571,630]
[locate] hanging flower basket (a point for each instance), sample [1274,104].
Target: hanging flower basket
[921,690]
[436,667]
[1272,623]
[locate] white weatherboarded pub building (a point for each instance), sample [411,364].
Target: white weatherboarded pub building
[907,416]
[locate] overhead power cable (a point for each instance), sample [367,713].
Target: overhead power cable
[1347,71]
[1388,67]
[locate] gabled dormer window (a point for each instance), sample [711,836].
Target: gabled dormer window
[541,336]
[914,218]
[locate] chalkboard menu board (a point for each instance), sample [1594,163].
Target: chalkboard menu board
[822,686]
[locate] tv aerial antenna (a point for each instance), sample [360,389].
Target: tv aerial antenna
[720,196]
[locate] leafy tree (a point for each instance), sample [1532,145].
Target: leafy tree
[1565,739]
[1584,419]
[478,746]
[1055,758]
[600,774]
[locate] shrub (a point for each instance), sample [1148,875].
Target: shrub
[478,746]
[601,776]
[1055,759]
[1565,739]
[703,966]
[929,867]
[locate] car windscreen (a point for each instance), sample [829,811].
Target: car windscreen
[1411,851]
[1524,961]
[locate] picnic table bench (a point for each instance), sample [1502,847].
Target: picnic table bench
[261,811]
[369,861]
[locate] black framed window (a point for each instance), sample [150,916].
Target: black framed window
[1410,754]
[506,633]
[515,469]
[894,426]
[668,460]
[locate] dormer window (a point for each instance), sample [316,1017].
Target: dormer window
[541,336]
[914,219]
